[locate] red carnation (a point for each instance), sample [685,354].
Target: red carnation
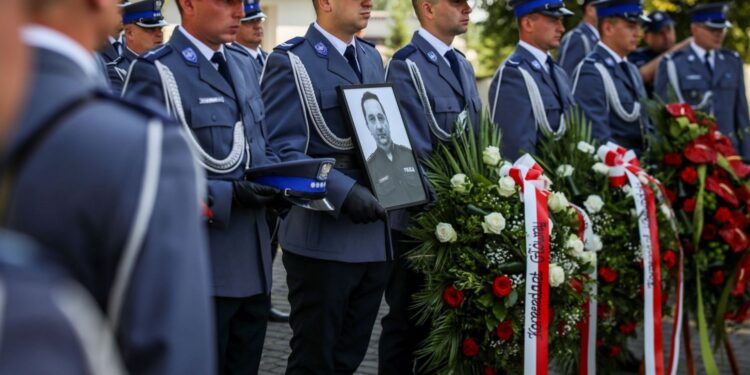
[723,215]
[502,286]
[669,259]
[453,297]
[717,278]
[608,275]
[735,237]
[688,205]
[614,351]
[689,175]
[673,159]
[709,232]
[470,347]
[681,110]
[504,330]
[722,189]
[627,327]
[700,151]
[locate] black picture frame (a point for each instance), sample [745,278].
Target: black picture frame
[395,176]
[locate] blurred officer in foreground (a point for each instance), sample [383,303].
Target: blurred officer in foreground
[143,31]
[436,89]
[14,65]
[578,42]
[215,95]
[251,34]
[336,261]
[530,92]
[659,37]
[709,77]
[606,86]
[129,227]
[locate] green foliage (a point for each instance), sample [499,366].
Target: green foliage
[400,34]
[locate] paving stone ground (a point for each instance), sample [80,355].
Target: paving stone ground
[276,349]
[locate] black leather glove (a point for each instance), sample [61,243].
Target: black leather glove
[251,195]
[362,207]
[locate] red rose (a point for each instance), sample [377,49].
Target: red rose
[607,274]
[723,215]
[453,297]
[717,278]
[576,284]
[673,159]
[688,205]
[669,259]
[700,151]
[723,189]
[681,110]
[709,232]
[614,351]
[502,286]
[670,195]
[689,175]
[470,347]
[489,371]
[504,330]
[626,328]
[735,237]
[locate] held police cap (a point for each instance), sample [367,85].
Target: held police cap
[631,10]
[252,11]
[712,15]
[303,182]
[553,8]
[146,13]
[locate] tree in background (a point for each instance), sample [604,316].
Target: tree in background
[400,35]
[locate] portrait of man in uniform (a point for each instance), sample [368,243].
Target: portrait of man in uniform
[394,173]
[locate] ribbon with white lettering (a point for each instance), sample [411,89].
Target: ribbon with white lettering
[529,176]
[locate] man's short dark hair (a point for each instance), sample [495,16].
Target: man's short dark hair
[370,96]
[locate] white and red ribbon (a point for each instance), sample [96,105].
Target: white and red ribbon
[624,163]
[587,357]
[529,175]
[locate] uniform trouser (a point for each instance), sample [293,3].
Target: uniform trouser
[401,335]
[334,306]
[241,328]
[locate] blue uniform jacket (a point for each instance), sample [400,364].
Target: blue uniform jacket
[512,106]
[239,239]
[729,104]
[117,70]
[590,95]
[575,45]
[78,194]
[321,235]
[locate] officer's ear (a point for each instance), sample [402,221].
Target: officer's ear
[187,7]
[323,5]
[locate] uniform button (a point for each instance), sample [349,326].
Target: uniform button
[213,117]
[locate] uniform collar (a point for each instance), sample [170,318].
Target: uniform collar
[205,50]
[618,59]
[337,43]
[44,37]
[701,53]
[538,54]
[592,29]
[440,47]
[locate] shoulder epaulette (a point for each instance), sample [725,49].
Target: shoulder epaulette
[512,62]
[157,53]
[459,52]
[729,52]
[289,44]
[404,52]
[115,61]
[235,48]
[590,59]
[366,42]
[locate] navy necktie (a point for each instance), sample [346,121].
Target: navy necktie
[351,58]
[707,61]
[455,66]
[218,58]
[551,66]
[116,45]
[260,59]
[628,73]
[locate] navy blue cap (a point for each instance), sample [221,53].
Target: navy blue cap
[553,8]
[252,11]
[712,15]
[631,10]
[303,182]
[146,13]
[658,21]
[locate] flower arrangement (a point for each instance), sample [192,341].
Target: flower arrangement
[474,251]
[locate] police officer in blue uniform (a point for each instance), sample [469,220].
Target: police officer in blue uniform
[129,227]
[215,95]
[608,87]
[709,77]
[251,34]
[530,92]
[142,31]
[436,89]
[336,261]
[659,38]
[578,42]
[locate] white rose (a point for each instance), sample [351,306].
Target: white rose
[594,243]
[574,244]
[565,170]
[460,183]
[600,168]
[493,223]
[627,190]
[557,202]
[445,233]
[507,186]
[585,147]
[491,156]
[588,257]
[593,204]
[556,275]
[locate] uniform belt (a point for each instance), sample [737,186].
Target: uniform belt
[344,161]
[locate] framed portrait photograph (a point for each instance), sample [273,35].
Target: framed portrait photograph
[383,143]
